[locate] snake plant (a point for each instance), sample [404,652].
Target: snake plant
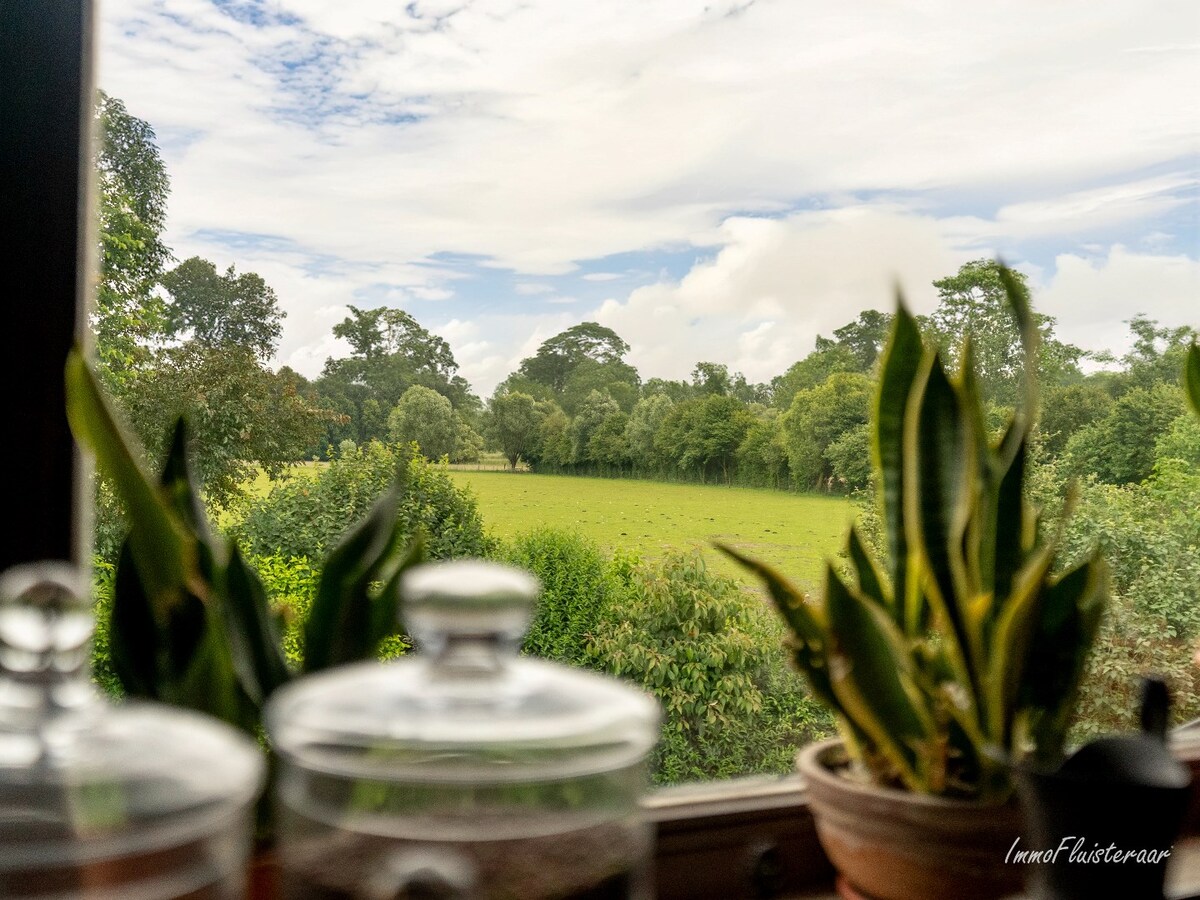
[191,623]
[964,651]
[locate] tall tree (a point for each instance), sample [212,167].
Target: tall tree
[133,187]
[242,415]
[972,301]
[221,310]
[425,416]
[865,337]
[559,356]
[513,421]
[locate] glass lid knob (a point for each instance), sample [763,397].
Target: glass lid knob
[44,632]
[468,614]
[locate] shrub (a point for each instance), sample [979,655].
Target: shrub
[103,573]
[711,653]
[301,517]
[577,585]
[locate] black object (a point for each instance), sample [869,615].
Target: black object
[1103,823]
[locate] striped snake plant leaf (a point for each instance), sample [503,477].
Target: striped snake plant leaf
[940,467]
[1191,377]
[1010,648]
[1073,607]
[899,366]
[161,548]
[805,620]
[253,631]
[385,606]
[871,672]
[338,624]
[870,582]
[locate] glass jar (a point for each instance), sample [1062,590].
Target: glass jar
[465,770]
[139,801]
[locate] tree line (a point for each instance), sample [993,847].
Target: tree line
[184,337]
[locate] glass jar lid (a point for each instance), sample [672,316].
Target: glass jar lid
[467,708]
[82,780]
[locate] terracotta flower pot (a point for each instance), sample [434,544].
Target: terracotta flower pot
[890,844]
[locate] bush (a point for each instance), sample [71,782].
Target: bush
[711,652]
[103,573]
[1150,536]
[303,516]
[577,585]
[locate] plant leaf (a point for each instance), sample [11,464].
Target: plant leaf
[871,672]
[252,632]
[899,367]
[805,620]
[340,618]
[941,469]
[1191,377]
[159,543]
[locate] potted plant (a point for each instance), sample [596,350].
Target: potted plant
[191,623]
[958,656]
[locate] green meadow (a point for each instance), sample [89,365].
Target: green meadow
[792,531]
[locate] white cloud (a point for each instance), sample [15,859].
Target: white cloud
[537,135]
[777,284]
[1093,298]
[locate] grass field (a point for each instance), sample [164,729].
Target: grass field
[794,532]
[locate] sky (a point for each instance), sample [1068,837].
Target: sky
[715,180]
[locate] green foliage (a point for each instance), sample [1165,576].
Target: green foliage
[1191,378]
[133,187]
[513,420]
[577,586]
[391,352]
[189,622]
[849,458]
[242,415]
[222,310]
[702,435]
[964,648]
[973,302]
[762,455]
[644,423]
[425,417]
[103,575]
[558,358]
[303,517]
[817,418]
[695,640]
[1119,448]
[1068,409]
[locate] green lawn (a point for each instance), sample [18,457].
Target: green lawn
[794,532]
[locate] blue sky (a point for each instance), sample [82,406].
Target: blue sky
[713,180]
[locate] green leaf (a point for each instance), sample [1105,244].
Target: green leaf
[871,672]
[899,367]
[337,629]
[1018,301]
[159,543]
[869,581]
[806,622]
[385,608]
[1016,626]
[1191,377]
[941,470]
[1071,612]
[252,632]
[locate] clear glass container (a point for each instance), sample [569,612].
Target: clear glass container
[137,801]
[464,770]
